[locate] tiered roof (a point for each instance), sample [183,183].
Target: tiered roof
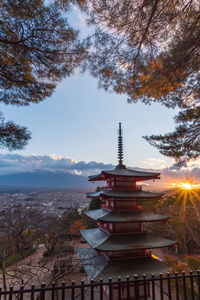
[123,216]
[136,175]
[98,266]
[101,240]
[109,243]
[137,194]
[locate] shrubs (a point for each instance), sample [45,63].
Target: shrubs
[190,262]
[15,258]
[193,262]
[175,264]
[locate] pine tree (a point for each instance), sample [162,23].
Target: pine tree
[149,50]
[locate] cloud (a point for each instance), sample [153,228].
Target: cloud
[155,163]
[170,174]
[169,177]
[15,163]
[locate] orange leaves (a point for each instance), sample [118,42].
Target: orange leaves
[175,264]
[191,262]
[106,72]
[78,224]
[154,80]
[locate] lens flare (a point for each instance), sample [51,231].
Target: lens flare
[188,193]
[186,185]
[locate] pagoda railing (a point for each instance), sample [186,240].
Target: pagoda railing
[161,287]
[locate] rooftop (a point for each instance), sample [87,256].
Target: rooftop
[124,216]
[101,240]
[137,175]
[97,266]
[125,194]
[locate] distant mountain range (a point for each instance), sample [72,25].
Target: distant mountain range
[53,180]
[44,180]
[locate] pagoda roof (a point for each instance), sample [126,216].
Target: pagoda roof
[125,194]
[97,266]
[137,175]
[124,216]
[101,240]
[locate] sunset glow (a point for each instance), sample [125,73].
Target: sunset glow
[187,185]
[188,195]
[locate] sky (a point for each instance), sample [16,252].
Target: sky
[79,122]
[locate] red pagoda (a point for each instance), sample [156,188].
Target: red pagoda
[121,244]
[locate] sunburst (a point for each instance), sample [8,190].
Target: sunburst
[186,185]
[188,192]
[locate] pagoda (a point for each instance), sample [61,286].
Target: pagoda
[121,244]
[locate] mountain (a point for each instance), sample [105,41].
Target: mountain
[171,191]
[45,179]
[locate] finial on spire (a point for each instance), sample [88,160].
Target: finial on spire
[120,148]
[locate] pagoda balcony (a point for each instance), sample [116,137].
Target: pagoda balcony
[125,255]
[136,230]
[121,207]
[124,186]
[120,228]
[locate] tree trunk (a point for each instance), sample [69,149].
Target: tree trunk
[3,269]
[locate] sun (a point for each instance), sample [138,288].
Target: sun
[187,193]
[186,186]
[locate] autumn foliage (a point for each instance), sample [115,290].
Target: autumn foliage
[76,226]
[149,51]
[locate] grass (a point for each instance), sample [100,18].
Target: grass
[15,258]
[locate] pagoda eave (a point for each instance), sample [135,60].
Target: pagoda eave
[102,178]
[124,172]
[103,241]
[108,247]
[133,194]
[97,266]
[124,217]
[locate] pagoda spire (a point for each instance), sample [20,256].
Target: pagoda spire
[120,149]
